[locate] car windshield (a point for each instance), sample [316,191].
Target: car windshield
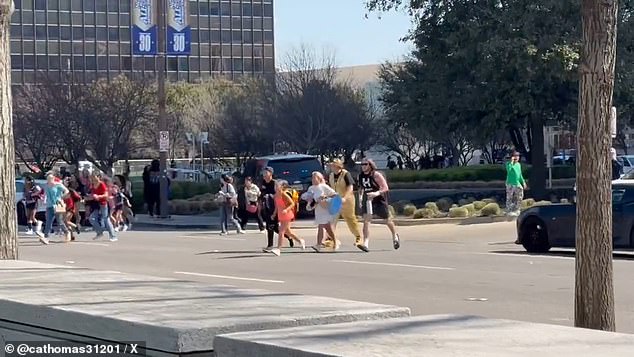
[19,187]
[293,170]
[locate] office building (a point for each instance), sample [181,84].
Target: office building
[90,39]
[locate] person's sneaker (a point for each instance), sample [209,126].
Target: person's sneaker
[68,237]
[318,248]
[241,231]
[358,241]
[267,249]
[98,236]
[125,228]
[276,251]
[78,230]
[223,233]
[43,239]
[114,239]
[29,232]
[38,226]
[337,245]
[291,243]
[396,241]
[363,247]
[303,243]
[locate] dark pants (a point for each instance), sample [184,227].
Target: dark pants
[245,215]
[154,205]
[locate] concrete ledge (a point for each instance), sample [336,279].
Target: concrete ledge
[171,316]
[438,336]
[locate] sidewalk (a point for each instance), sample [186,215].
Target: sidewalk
[210,221]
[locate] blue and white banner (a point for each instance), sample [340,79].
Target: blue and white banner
[179,33]
[144,27]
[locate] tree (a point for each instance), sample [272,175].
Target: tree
[8,227]
[594,290]
[34,121]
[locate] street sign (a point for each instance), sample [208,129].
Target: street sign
[144,27]
[179,34]
[164,141]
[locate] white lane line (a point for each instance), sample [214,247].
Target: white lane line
[229,277]
[395,265]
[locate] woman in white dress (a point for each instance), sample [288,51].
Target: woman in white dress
[320,192]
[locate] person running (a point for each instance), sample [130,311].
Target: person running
[72,201]
[33,195]
[251,204]
[341,181]
[515,185]
[55,209]
[285,214]
[372,193]
[229,202]
[267,208]
[100,217]
[319,192]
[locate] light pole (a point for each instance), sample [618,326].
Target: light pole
[164,209]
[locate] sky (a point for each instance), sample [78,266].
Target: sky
[340,27]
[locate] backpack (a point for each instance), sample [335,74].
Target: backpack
[294,195]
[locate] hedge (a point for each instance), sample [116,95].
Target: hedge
[179,190]
[470,173]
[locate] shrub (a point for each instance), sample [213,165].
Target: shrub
[527,203]
[399,205]
[208,206]
[454,206]
[458,212]
[424,213]
[432,206]
[470,209]
[490,200]
[491,209]
[469,173]
[203,197]
[444,204]
[479,205]
[543,203]
[409,210]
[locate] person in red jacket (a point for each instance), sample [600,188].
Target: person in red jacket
[71,202]
[100,218]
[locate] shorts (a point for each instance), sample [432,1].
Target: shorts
[379,209]
[31,206]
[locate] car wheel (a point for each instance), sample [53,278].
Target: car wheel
[21,213]
[535,236]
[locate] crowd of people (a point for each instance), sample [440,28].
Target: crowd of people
[106,201]
[272,204]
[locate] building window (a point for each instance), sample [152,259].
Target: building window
[29,62]
[16,31]
[114,63]
[53,4]
[91,63]
[53,33]
[40,4]
[89,5]
[64,5]
[53,62]
[64,33]
[172,64]
[16,62]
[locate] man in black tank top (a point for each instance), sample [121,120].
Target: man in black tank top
[373,199]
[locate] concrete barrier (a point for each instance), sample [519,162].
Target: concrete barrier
[438,336]
[172,317]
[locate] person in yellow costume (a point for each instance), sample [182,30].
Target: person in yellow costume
[342,182]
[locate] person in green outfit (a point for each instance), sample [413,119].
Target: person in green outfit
[515,185]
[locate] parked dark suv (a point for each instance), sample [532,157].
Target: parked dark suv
[294,168]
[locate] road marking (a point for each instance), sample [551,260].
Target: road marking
[229,277]
[395,265]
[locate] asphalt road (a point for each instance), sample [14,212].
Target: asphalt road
[439,269]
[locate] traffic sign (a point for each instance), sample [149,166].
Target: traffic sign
[164,141]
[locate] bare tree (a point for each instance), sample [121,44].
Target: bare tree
[594,289]
[34,121]
[8,232]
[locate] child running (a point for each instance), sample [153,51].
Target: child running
[285,212]
[33,194]
[71,202]
[320,192]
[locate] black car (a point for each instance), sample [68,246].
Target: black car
[553,226]
[297,169]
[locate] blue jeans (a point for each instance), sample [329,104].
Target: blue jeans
[100,219]
[226,214]
[50,216]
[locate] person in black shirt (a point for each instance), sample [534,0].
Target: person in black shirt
[267,204]
[617,168]
[373,190]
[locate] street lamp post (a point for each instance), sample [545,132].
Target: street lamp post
[164,207]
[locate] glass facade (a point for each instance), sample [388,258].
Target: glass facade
[50,39]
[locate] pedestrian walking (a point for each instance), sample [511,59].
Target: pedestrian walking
[229,202]
[342,182]
[251,197]
[617,167]
[373,191]
[285,214]
[515,185]
[55,209]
